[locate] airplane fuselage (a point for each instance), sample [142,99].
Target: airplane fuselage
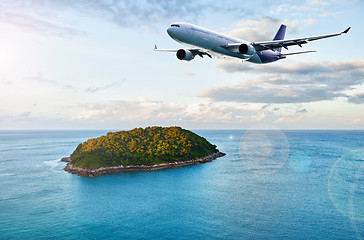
[212,41]
[205,42]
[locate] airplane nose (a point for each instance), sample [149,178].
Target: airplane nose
[169,31]
[173,32]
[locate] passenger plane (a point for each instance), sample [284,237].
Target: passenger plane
[207,42]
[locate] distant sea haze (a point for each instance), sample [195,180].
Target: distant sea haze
[270,185]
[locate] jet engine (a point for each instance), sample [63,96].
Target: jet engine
[246,49]
[184,54]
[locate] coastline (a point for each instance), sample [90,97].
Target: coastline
[116,169]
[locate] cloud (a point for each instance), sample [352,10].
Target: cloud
[44,81]
[302,111]
[307,13]
[6,83]
[260,29]
[296,82]
[25,115]
[356,121]
[144,111]
[270,94]
[290,115]
[39,78]
[291,119]
[104,87]
[356,98]
[190,74]
[60,17]
[64,18]
[127,13]
[318,3]
[308,8]
[32,16]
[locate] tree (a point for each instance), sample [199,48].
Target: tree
[148,146]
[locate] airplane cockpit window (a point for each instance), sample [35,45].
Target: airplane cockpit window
[175,25]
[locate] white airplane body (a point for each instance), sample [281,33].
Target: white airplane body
[207,42]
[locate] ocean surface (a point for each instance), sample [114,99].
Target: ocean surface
[270,185]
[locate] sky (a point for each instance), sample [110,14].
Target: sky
[87,64]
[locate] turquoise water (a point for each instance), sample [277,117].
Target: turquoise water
[270,185]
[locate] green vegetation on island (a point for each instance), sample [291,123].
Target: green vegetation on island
[148,146]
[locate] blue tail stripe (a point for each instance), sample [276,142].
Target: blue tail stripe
[281,32]
[280,35]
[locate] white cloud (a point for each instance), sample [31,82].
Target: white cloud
[60,17]
[356,121]
[149,112]
[318,3]
[289,119]
[260,29]
[36,17]
[309,21]
[307,13]
[295,82]
[356,98]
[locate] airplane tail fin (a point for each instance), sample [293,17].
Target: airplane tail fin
[280,35]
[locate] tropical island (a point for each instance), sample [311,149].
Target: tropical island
[140,149]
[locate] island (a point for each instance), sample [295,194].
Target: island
[140,149]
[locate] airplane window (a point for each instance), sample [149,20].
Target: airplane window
[174,25]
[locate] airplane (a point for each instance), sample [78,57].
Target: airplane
[207,42]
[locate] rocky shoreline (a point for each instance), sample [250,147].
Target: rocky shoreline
[116,169]
[66,159]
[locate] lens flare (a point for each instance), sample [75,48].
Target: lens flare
[299,161]
[263,151]
[346,185]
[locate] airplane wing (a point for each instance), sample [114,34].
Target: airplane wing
[271,45]
[294,53]
[195,51]
[284,55]
[164,50]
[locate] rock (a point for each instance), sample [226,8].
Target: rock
[66,159]
[115,169]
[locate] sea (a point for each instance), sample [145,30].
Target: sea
[272,184]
